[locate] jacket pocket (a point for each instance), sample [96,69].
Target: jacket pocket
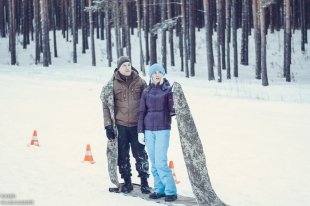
[120,95]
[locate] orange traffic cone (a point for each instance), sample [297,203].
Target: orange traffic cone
[88,156]
[34,139]
[171,166]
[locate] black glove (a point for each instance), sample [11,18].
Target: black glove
[110,132]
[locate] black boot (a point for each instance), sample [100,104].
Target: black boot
[127,187]
[145,189]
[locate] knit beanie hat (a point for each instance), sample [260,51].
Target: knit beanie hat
[122,60]
[156,68]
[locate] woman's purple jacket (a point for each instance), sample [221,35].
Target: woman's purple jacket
[156,107]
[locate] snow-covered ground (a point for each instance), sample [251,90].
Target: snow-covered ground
[256,139]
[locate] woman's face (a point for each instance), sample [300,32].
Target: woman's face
[156,77]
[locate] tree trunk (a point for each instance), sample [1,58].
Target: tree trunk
[228,31]
[64,17]
[245,33]
[192,35]
[119,51]
[208,39]
[146,30]
[218,31]
[170,34]
[108,36]
[142,68]
[126,27]
[302,12]
[257,38]
[2,19]
[287,39]
[25,24]
[91,29]
[45,36]
[53,21]
[263,48]
[37,30]
[222,36]
[12,34]
[84,27]
[185,36]
[163,35]
[234,35]
[153,50]
[74,29]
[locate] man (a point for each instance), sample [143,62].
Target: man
[127,89]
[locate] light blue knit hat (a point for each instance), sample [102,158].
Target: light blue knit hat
[156,68]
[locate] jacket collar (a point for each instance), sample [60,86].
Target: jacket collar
[164,86]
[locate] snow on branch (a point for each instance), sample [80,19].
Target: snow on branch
[266,3]
[165,25]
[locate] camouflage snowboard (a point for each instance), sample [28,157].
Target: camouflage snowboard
[182,200]
[192,149]
[107,97]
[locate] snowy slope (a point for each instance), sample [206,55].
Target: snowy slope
[256,138]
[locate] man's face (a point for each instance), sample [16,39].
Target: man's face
[125,69]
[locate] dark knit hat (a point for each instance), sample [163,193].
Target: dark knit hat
[122,60]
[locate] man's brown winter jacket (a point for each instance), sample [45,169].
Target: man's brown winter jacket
[127,93]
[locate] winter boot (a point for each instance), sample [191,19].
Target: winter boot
[170,198]
[127,187]
[156,195]
[145,189]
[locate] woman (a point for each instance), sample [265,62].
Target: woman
[154,126]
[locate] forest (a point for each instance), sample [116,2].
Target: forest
[164,24]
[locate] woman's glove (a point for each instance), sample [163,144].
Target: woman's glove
[141,138]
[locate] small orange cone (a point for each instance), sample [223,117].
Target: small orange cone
[88,156]
[171,166]
[34,139]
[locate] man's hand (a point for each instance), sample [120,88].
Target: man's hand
[110,132]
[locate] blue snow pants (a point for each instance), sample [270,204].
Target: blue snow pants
[157,143]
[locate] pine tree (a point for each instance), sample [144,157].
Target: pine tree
[287,41]
[184,36]
[163,35]
[12,30]
[170,30]
[126,28]
[263,44]
[208,39]
[153,50]
[257,38]
[37,30]
[228,31]
[146,30]
[91,28]
[45,32]
[218,31]
[74,29]
[245,33]
[140,37]
[234,36]
[2,19]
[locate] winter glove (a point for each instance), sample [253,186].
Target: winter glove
[110,132]
[171,104]
[141,138]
